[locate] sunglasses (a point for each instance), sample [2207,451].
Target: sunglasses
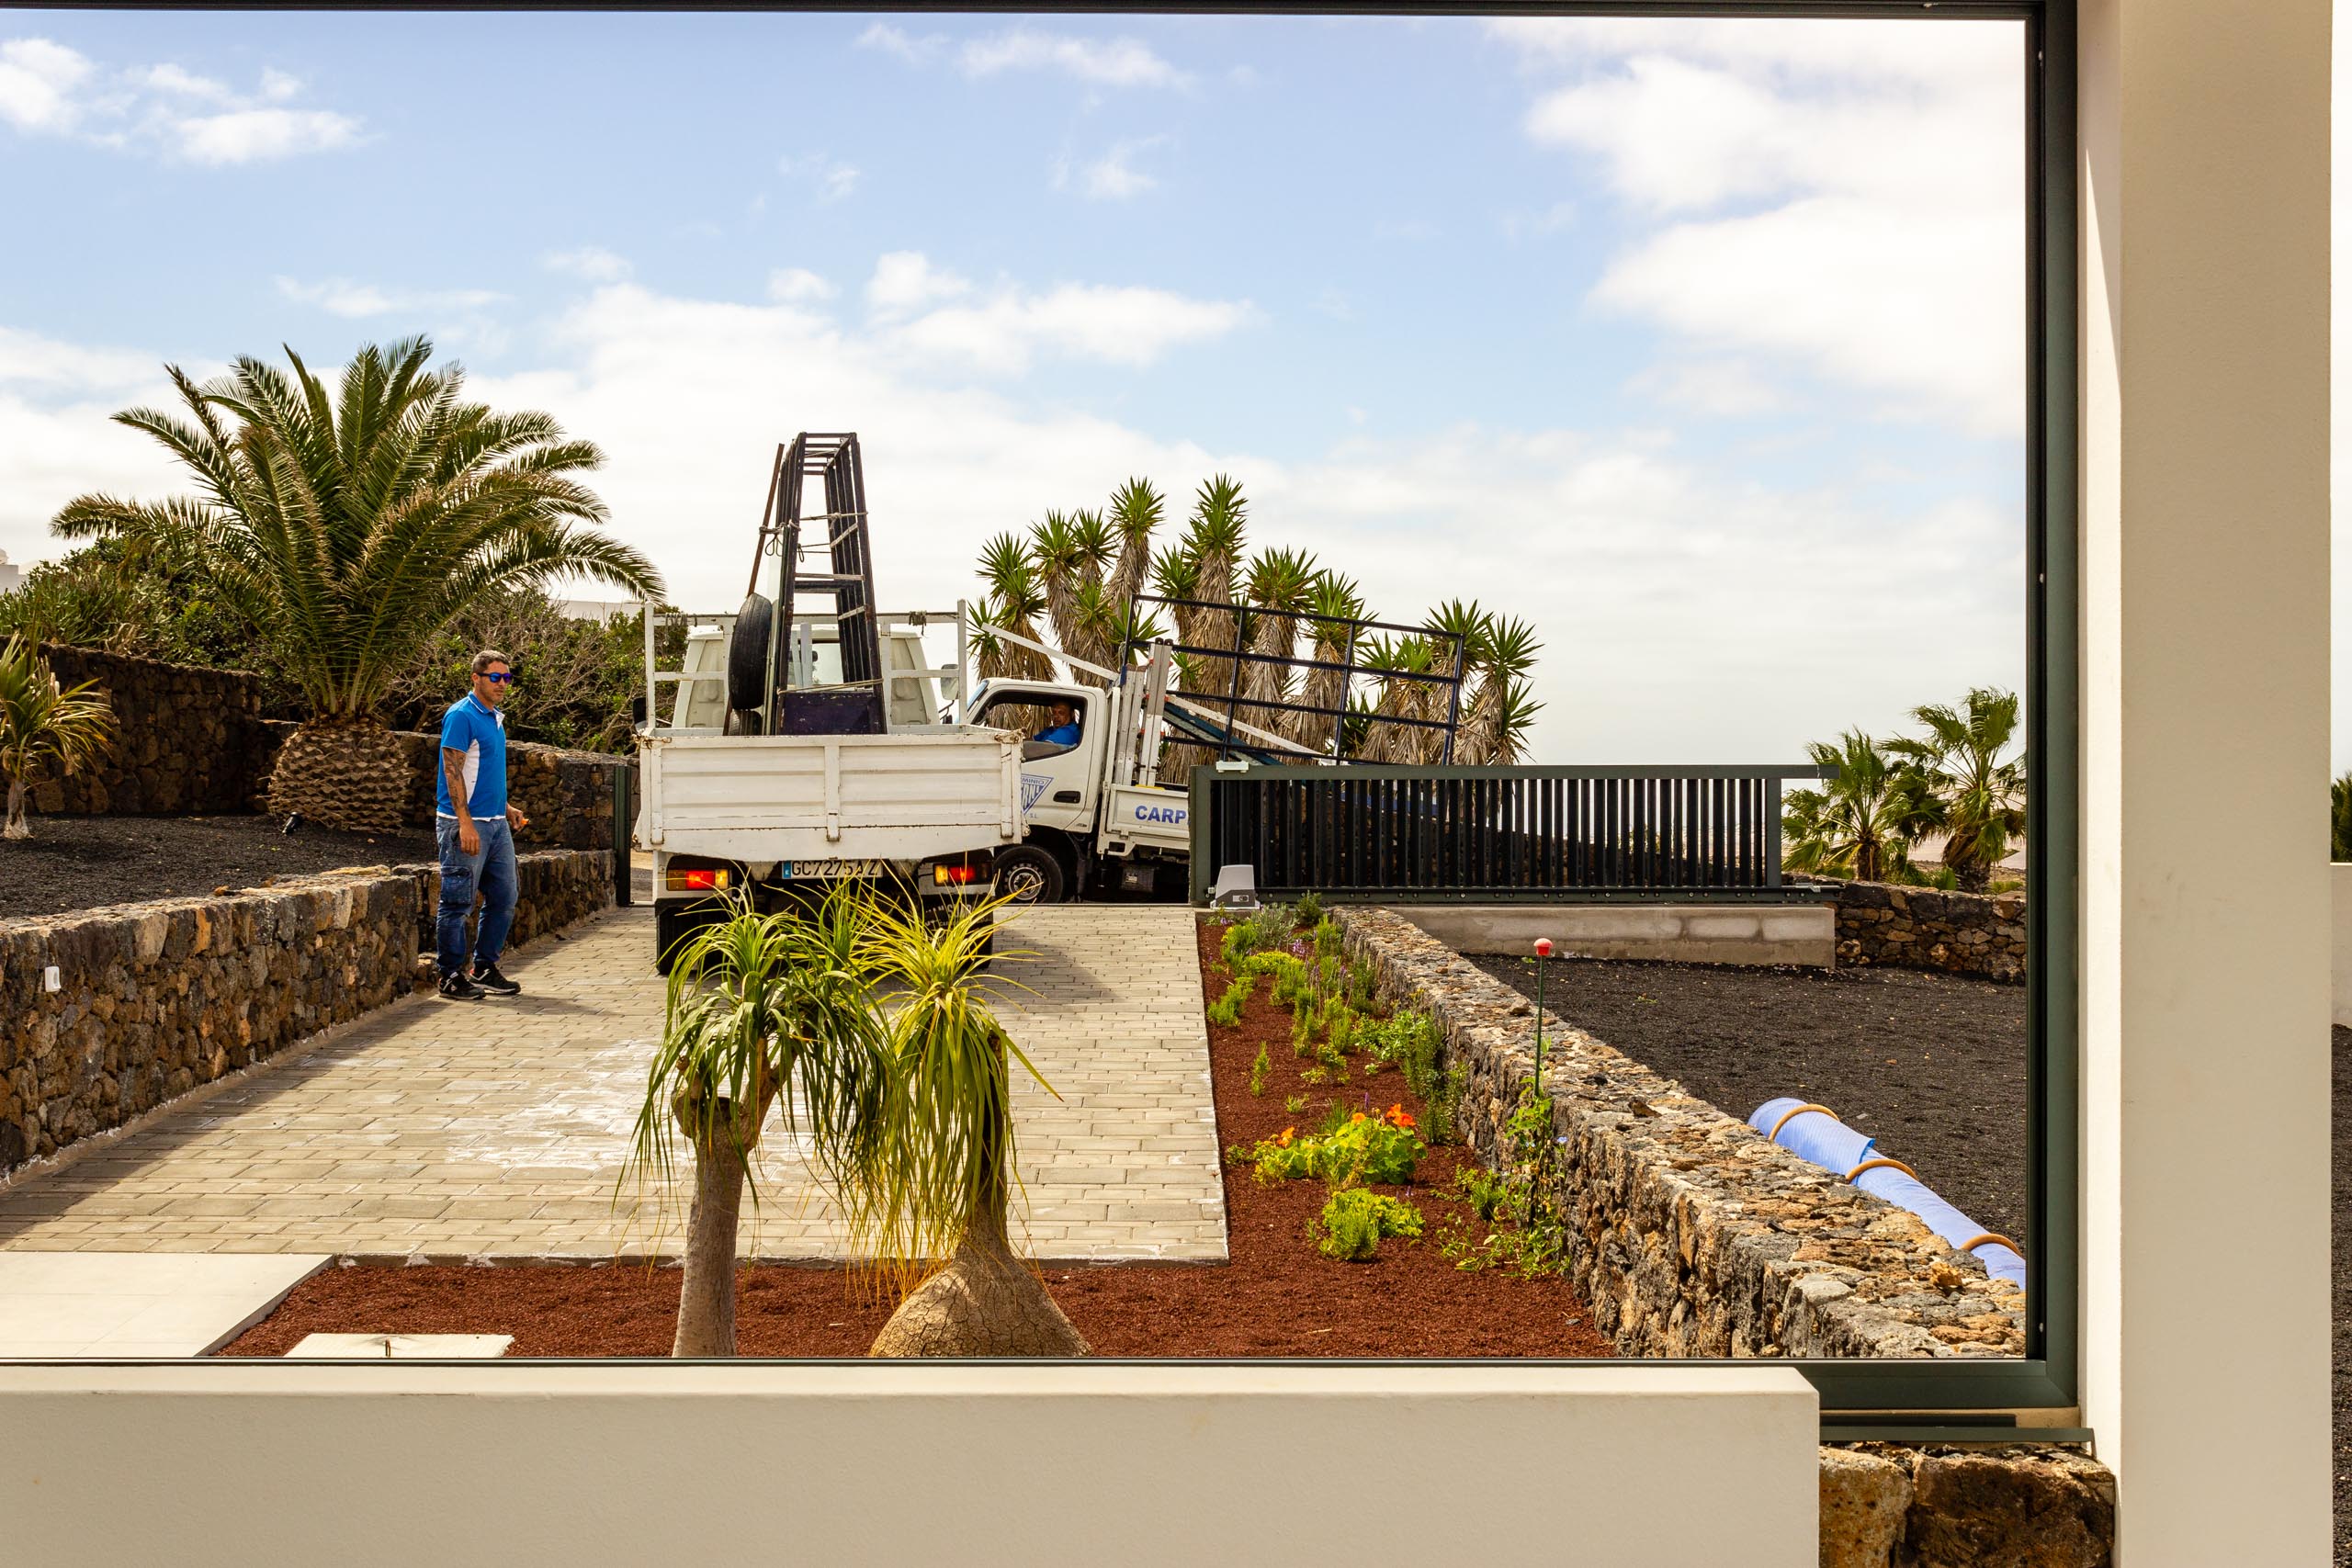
[501,676]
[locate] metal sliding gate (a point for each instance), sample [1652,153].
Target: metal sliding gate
[1493,834]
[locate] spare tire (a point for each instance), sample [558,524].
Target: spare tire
[747,656]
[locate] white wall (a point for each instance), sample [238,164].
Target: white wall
[2205,636]
[866,1463]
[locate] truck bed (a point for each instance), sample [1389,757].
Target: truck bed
[781,797]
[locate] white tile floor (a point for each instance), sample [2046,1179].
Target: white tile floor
[106,1304]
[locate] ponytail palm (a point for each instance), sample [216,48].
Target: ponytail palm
[947,1161]
[347,529]
[760,1006]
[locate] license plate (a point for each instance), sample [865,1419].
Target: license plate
[814,870]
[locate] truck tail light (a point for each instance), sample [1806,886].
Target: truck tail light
[697,878]
[945,875]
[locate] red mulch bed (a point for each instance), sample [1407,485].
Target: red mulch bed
[1275,1296]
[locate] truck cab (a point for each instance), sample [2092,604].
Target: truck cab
[1095,816]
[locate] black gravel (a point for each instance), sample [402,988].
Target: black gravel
[80,862]
[1931,1065]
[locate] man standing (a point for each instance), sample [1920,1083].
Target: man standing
[476,829]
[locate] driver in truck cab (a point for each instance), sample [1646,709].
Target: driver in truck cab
[1061,733]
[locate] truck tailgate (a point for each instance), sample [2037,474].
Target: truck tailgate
[785,797]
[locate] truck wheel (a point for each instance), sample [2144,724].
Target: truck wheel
[1029,875]
[747,656]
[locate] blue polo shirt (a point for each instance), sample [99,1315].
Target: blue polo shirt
[480,734]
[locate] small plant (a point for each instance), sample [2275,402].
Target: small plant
[1317,1076]
[1292,1104]
[1383,1150]
[1309,907]
[1328,938]
[1259,1070]
[1225,1011]
[44,721]
[1354,1222]
[1487,1193]
[1362,983]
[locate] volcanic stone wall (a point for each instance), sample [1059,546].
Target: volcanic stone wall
[1924,928]
[1694,1235]
[159,997]
[568,796]
[185,738]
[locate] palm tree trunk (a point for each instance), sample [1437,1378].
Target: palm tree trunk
[18,828]
[986,1302]
[707,1296]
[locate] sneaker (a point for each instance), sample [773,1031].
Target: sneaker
[490,979]
[457,988]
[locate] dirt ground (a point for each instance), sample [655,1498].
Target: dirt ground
[1931,1065]
[1275,1295]
[80,862]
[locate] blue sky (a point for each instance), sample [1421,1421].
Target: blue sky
[1694,343]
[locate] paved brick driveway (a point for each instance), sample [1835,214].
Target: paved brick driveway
[497,1129]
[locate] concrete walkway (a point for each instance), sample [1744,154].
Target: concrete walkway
[498,1129]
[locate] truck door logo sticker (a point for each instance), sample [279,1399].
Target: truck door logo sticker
[1158,813]
[1032,786]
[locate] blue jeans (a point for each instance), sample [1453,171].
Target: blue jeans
[491,872]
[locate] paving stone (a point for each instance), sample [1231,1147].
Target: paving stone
[502,1128]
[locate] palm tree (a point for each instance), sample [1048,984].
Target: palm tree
[1015,602]
[2339,816]
[1054,557]
[1979,796]
[1504,652]
[949,1158]
[1279,586]
[347,530]
[758,1006]
[1385,741]
[1459,650]
[41,721]
[1332,601]
[1860,823]
[1519,710]
[1136,511]
[1214,541]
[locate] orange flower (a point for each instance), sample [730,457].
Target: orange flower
[1356,1118]
[1283,1137]
[1400,1117]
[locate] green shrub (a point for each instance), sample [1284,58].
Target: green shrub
[1225,1011]
[1383,1150]
[1308,907]
[1354,1222]
[1259,1071]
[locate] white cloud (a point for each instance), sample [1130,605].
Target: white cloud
[1842,196]
[832,180]
[39,83]
[898,41]
[1727,388]
[905,281]
[798,285]
[1547,221]
[1105,63]
[1112,176]
[48,89]
[342,296]
[592,262]
[245,136]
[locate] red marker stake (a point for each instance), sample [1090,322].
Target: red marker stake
[1543,951]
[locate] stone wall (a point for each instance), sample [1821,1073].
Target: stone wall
[1925,928]
[567,794]
[1695,1236]
[1885,1505]
[185,738]
[192,742]
[159,997]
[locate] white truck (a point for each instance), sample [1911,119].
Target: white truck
[785,765]
[1098,812]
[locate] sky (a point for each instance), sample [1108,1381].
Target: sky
[1698,345]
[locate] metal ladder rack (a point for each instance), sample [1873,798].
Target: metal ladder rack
[843,593]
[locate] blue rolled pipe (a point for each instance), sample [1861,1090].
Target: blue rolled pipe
[1819,1136]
